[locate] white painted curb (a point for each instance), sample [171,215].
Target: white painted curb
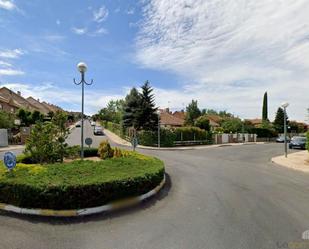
[86,211]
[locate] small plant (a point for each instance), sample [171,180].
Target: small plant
[105,150]
[308,141]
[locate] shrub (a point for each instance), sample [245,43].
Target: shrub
[79,184]
[190,134]
[308,141]
[25,158]
[263,132]
[202,122]
[105,151]
[90,152]
[150,138]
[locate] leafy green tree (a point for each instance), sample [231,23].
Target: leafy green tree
[132,109]
[203,123]
[193,112]
[25,117]
[232,125]
[279,120]
[36,116]
[265,108]
[113,112]
[148,119]
[50,114]
[6,120]
[46,143]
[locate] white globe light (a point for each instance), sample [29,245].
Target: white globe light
[82,67]
[285,104]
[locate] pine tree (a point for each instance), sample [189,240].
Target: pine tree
[265,108]
[279,120]
[148,119]
[132,109]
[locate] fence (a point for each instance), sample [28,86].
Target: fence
[234,138]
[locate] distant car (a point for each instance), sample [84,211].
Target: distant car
[298,143]
[92,123]
[98,130]
[280,139]
[77,124]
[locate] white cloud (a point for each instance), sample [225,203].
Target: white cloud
[5,64]
[99,31]
[58,22]
[100,15]
[53,38]
[10,72]
[11,54]
[7,4]
[79,31]
[227,53]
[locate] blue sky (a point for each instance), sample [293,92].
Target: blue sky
[223,53]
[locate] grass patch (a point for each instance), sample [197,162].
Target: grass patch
[79,184]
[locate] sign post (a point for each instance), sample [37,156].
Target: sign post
[9,161]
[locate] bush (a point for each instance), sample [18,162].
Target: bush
[105,151]
[263,132]
[115,128]
[79,184]
[190,134]
[150,138]
[202,122]
[308,141]
[25,158]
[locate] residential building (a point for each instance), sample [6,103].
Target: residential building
[167,120]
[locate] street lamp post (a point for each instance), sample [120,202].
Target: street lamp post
[159,136]
[82,68]
[284,106]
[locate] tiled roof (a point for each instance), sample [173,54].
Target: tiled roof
[42,108]
[169,119]
[181,114]
[255,121]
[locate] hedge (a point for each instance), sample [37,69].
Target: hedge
[263,132]
[115,128]
[308,141]
[79,184]
[150,138]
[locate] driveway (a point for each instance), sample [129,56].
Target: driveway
[219,198]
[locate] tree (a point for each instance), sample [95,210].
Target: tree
[193,112]
[36,116]
[148,119]
[113,111]
[265,108]
[232,125]
[132,109]
[279,120]
[6,120]
[25,117]
[203,123]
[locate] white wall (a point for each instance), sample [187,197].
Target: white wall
[3,138]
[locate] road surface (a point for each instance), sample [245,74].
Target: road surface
[218,198]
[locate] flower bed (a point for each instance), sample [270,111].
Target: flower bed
[79,184]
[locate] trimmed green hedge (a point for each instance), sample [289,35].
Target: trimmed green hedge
[150,138]
[263,132]
[79,184]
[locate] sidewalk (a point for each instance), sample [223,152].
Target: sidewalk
[298,161]
[116,139]
[12,147]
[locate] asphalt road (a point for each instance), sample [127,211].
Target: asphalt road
[218,198]
[74,137]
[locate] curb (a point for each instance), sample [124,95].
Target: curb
[86,211]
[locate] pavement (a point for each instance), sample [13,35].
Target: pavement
[229,197]
[297,161]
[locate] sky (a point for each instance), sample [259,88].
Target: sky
[223,53]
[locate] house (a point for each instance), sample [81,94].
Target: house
[180,114]
[40,107]
[168,120]
[12,101]
[255,122]
[51,107]
[214,121]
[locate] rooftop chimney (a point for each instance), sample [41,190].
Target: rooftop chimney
[19,93]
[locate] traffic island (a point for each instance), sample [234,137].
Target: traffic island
[80,187]
[297,161]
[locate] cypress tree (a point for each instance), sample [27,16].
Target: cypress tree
[265,108]
[279,120]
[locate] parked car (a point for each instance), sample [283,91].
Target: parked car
[98,130]
[93,123]
[78,124]
[298,143]
[280,139]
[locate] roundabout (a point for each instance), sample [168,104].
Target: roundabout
[80,187]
